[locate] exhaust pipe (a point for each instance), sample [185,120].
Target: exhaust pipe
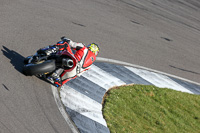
[67,62]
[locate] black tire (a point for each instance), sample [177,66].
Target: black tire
[34,69]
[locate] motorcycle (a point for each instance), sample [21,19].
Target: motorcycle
[43,65]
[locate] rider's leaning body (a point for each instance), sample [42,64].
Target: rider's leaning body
[84,55]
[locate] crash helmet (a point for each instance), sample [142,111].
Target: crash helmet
[94,48]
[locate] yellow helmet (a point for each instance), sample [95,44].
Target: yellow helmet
[94,48]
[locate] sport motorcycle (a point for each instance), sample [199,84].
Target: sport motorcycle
[43,65]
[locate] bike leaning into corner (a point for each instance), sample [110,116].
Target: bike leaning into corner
[61,62]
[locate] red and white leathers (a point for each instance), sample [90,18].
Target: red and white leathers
[83,56]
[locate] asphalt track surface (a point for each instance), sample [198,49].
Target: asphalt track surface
[158,34]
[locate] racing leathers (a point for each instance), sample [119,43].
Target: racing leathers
[83,56]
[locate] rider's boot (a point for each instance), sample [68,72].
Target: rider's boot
[55,78]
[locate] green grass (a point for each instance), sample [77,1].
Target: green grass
[148,109]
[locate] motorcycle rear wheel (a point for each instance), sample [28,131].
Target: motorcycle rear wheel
[44,67]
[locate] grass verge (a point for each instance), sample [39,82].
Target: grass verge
[140,109]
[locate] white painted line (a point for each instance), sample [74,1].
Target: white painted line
[82,104]
[62,110]
[102,78]
[159,80]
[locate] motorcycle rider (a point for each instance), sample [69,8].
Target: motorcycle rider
[84,55]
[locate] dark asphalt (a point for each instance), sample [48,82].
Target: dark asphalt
[158,34]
